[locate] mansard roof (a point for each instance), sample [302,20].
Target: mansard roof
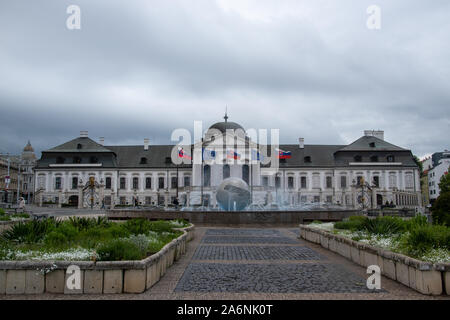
[156,155]
[86,143]
[371,143]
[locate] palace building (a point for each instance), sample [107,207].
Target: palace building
[368,173]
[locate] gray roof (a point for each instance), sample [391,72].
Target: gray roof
[130,156]
[87,145]
[157,156]
[223,126]
[363,144]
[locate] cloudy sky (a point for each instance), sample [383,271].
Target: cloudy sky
[141,69]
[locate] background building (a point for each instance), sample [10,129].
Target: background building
[440,167]
[21,173]
[86,173]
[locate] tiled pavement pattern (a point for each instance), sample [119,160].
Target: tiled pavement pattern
[209,252]
[244,239]
[231,270]
[243,232]
[275,278]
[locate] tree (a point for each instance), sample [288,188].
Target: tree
[419,164]
[441,207]
[444,183]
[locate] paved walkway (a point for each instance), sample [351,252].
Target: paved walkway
[258,263]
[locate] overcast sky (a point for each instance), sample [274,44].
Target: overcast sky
[141,69]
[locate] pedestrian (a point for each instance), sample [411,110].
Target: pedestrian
[103,204]
[21,204]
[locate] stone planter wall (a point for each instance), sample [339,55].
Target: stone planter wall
[424,277]
[101,277]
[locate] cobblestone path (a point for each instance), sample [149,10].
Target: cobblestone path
[264,260]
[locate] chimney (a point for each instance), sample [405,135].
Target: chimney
[83,134]
[375,133]
[102,140]
[301,143]
[146,142]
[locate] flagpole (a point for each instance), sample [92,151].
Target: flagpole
[201,185]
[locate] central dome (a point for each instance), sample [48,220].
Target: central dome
[226,125]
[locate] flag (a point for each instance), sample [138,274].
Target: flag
[183,154]
[209,154]
[283,154]
[256,155]
[233,155]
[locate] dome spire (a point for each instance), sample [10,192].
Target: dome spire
[226,114]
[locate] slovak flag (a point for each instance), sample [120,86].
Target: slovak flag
[283,154]
[182,154]
[233,155]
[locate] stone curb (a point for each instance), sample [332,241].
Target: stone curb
[425,277]
[29,277]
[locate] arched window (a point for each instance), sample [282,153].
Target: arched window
[390,158]
[79,146]
[143,160]
[74,182]
[307,159]
[246,173]
[226,171]
[206,176]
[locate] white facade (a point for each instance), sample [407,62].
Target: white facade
[434,177]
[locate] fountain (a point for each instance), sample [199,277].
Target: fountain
[233,194]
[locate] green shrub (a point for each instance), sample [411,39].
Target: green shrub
[56,239]
[119,250]
[440,211]
[5,218]
[83,223]
[137,226]
[427,237]
[385,225]
[316,222]
[29,232]
[2,212]
[161,226]
[353,223]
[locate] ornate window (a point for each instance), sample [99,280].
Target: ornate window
[343,182]
[390,158]
[108,183]
[357,158]
[187,181]
[226,171]
[122,183]
[307,159]
[206,176]
[329,182]
[246,173]
[290,182]
[135,183]
[148,183]
[303,182]
[58,183]
[74,182]
[374,159]
[143,160]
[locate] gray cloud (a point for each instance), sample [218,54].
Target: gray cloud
[143,68]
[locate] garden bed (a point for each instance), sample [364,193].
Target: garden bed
[428,277]
[142,251]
